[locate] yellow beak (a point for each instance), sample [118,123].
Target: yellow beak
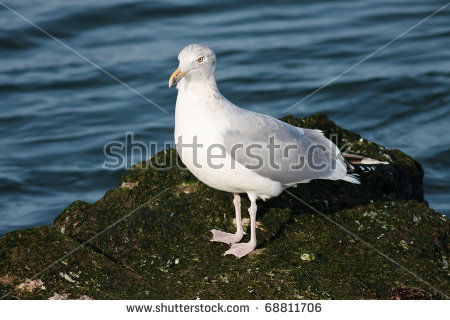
[176,76]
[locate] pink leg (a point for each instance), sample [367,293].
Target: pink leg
[242,249]
[231,238]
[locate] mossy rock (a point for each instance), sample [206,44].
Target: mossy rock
[160,249]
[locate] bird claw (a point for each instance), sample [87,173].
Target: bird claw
[241,249]
[225,237]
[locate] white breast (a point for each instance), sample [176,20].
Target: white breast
[200,116]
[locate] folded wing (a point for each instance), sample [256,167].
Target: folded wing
[282,152]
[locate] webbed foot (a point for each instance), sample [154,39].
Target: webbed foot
[241,249]
[225,237]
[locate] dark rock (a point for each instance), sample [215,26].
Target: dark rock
[409,294]
[160,249]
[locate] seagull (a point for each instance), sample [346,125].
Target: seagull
[240,151]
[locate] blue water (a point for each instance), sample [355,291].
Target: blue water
[57,111]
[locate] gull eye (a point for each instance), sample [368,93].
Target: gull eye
[200,59]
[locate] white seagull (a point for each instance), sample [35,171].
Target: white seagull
[240,151]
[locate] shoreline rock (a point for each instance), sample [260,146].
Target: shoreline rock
[162,250]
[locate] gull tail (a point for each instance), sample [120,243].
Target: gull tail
[352,178]
[359,163]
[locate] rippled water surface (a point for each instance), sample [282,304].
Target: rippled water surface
[57,110]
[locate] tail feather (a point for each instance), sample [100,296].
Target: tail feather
[352,178]
[357,159]
[360,163]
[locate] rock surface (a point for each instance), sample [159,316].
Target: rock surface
[160,249]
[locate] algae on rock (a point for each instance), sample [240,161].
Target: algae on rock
[162,250]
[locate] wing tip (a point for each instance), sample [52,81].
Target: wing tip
[352,178]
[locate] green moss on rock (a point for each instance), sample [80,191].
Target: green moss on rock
[162,250]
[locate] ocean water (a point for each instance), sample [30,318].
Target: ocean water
[57,110]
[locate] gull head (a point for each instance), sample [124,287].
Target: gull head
[197,62]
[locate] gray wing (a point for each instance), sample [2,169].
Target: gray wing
[282,152]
